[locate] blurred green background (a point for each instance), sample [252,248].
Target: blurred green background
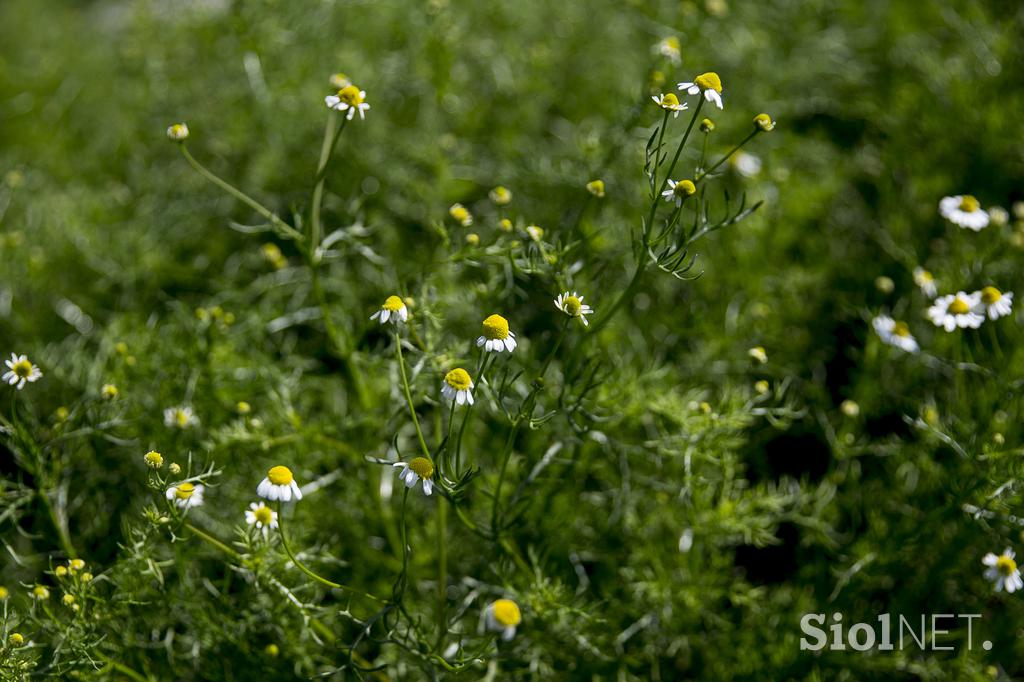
[882,108]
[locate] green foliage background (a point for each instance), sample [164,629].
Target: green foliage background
[882,109]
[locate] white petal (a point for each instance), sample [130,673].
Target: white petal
[297,492]
[428,486]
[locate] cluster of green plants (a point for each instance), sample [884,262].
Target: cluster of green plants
[529,347]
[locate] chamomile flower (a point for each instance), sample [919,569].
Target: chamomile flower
[596,187]
[503,616]
[186,495]
[461,215]
[496,336]
[415,469]
[925,281]
[279,485]
[965,211]
[535,232]
[500,195]
[1003,571]
[350,99]
[669,47]
[458,386]
[994,302]
[895,333]
[670,102]
[764,123]
[177,132]
[180,417]
[709,83]
[573,306]
[153,459]
[261,516]
[679,191]
[956,310]
[40,593]
[393,309]
[20,371]
[758,354]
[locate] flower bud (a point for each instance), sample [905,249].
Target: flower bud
[707,125]
[177,132]
[500,195]
[764,123]
[596,187]
[154,460]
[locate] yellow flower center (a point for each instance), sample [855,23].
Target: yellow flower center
[572,306]
[459,212]
[596,187]
[264,515]
[669,101]
[350,95]
[393,303]
[496,327]
[423,467]
[506,612]
[990,295]
[22,369]
[185,491]
[280,475]
[969,204]
[958,306]
[458,379]
[709,81]
[1006,565]
[181,417]
[900,328]
[684,188]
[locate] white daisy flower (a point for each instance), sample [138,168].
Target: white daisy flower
[670,102]
[925,282]
[669,47]
[393,309]
[461,214]
[279,485]
[994,302]
[709,83]
[350,99]
[956,310]
[503,616]
[177,132]
[1003,571]
[21,371]
[415,469]
[679,191]
[573,306]
[496,337]
[180,417]
[458,386]
[186,495]
[263,517]
[895,333]
[965,211]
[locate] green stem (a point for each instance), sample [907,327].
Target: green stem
[408,396]
[725,158]
[213,541]
[442,572]
[281,225]
[120,667]
[302,567]
[671,167]
[62,531]
[506,456]
[332,133]
[657,156]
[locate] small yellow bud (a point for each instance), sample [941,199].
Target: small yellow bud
[87,577]
[536,233]
[109,391]
[272,650]
[500,196]
[473,239]
[177,132]
[76,564]
[40,593]
[461,214]
[62,414]
[758,353]
[154,460]
[596,187]
[998,216]
[273,254]
[243,407]
[4,594]
[68,599]
[60,571]
[998,438]
[761,386]
[707,125]
[505,225]
[885,284]
[16,639]
[121,347]
[174,468]
[764,123]
[850,408]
